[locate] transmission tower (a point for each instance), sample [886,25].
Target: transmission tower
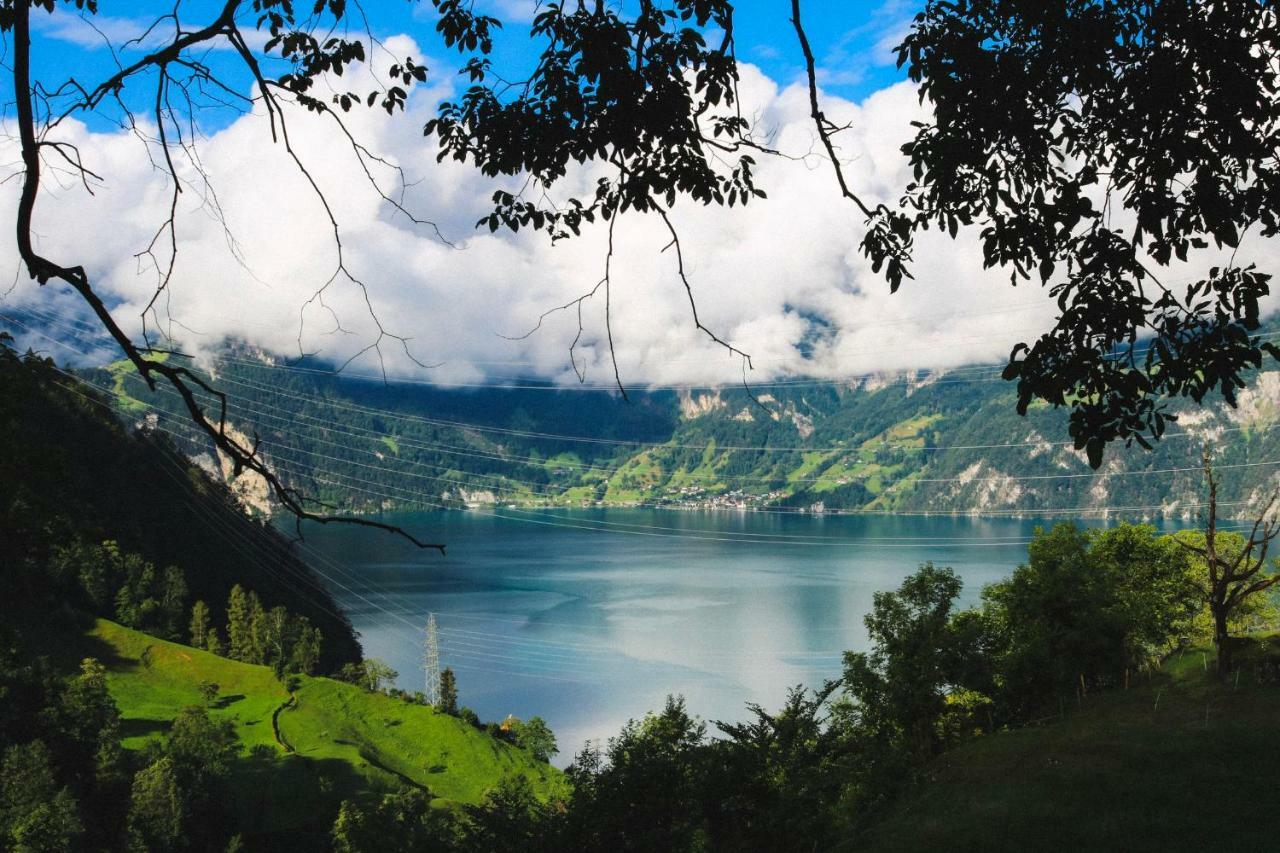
[431,660]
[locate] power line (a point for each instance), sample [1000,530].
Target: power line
[550,657]
[417,497]
[869,444]
[963,480]
[438,505]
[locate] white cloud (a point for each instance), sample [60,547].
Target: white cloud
[98,32]
[778,278]
[126,35]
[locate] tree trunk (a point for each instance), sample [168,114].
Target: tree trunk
[1221,640]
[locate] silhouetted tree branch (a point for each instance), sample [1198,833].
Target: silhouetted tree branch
[16,19]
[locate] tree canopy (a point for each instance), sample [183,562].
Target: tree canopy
[1096,145]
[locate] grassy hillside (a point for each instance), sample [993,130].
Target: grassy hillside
[1179,763]
[329,741]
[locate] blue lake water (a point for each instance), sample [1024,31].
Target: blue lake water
[589,618]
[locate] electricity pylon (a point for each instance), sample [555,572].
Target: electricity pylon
[431,660]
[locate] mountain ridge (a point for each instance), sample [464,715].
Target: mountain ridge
[930,442]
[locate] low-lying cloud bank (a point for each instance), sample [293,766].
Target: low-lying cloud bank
[781,279]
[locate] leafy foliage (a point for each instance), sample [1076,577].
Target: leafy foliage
[1092,143]
[642,791]
[35,814]
[633,92]
[536,736]
[1085,609]
[401,821]
[156,808]
[371,674]
[899,689]
[448,703]
[782,780]
[274,638]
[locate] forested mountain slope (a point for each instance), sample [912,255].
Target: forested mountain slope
[72,472]
[928,442]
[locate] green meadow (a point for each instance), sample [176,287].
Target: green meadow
[302,752]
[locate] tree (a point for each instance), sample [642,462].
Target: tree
[271,629]
[536,736]
[1063,629]
[88,565]
[776,781]
[900,687]
[83,729]
[156,808]
[511,818]
[213,643]
[198,631]
[70,724]
[307,645]
[36,815]
[378,674]
[1154,591]
[1095,146]
[136,605]
[202,751]
[201,747]
[644,791]
[259,637]
[208,691]
[239,631]
[370,674]
[173,601]
[1234,575]
[448,703]
[402,821]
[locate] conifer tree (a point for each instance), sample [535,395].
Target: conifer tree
[305,655]
[173,599]
[448,693]
[239,638]
[199,631]
[213,643]
[258,631]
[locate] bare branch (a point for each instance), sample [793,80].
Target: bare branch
[44,270]
[825,127]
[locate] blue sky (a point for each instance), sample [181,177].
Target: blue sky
[852,40]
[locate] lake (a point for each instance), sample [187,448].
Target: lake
[591,617]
